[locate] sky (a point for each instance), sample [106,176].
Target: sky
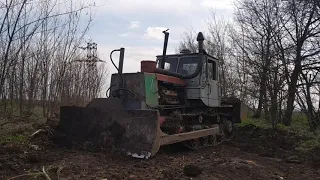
[137,26]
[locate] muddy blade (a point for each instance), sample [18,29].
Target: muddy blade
[141,137]
[104,122]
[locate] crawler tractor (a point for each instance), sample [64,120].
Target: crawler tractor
[174,99]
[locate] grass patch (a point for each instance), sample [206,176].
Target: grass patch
[19,138]
[12,110]
[256,122]
[307,144]
[299,124]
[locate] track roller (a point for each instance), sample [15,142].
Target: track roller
[204,141]
[193,144]
[227,126]
[212,140]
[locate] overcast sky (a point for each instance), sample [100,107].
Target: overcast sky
[137,26]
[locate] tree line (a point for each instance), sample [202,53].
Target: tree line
[41,60]
[269,57]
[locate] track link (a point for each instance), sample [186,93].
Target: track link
[212,141]
[203,142]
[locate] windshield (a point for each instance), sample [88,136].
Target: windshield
[181,65]
[187,65]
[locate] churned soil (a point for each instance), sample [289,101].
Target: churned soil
[251,154]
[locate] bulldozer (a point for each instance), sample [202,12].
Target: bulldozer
[174,99]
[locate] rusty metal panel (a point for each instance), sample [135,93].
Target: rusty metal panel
[170,79]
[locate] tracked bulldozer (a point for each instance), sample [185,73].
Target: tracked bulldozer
[174,99]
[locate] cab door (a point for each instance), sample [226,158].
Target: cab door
[213,83]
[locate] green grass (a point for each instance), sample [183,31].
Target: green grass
[310,144]
[299,123]
[13,139]
[36,112]
[299,126]
[256,122]
[13,109]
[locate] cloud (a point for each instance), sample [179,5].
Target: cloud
[217,4]
[155,33]
[134,24]
[119,24]
[125,34]
[132,57]
[174,7]
[136,6]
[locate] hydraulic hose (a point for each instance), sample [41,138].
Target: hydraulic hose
[112,59]
[119,69]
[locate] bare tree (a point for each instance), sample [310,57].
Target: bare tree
[259,24]
[188,41]
[218,46]
[40,43]
[301,20]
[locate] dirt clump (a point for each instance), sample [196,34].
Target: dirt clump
[266,142]
[191,170]
[315,156]
[232,160]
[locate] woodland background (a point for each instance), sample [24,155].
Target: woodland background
[269,57]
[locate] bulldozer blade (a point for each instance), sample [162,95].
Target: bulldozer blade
[104,121]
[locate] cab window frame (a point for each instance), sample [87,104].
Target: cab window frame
[213,70]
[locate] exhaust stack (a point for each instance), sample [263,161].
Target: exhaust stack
[165,45]
[121,59]
[200,40]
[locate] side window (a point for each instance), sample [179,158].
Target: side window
[204,67]
[212,68]
[166,66]
[170,64]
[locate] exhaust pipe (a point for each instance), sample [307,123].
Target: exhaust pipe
[161,70]
[121,59]
[165,45]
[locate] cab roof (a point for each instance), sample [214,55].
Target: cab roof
[184,54]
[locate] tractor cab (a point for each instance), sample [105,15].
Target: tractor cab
[198,70]
[186,64]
